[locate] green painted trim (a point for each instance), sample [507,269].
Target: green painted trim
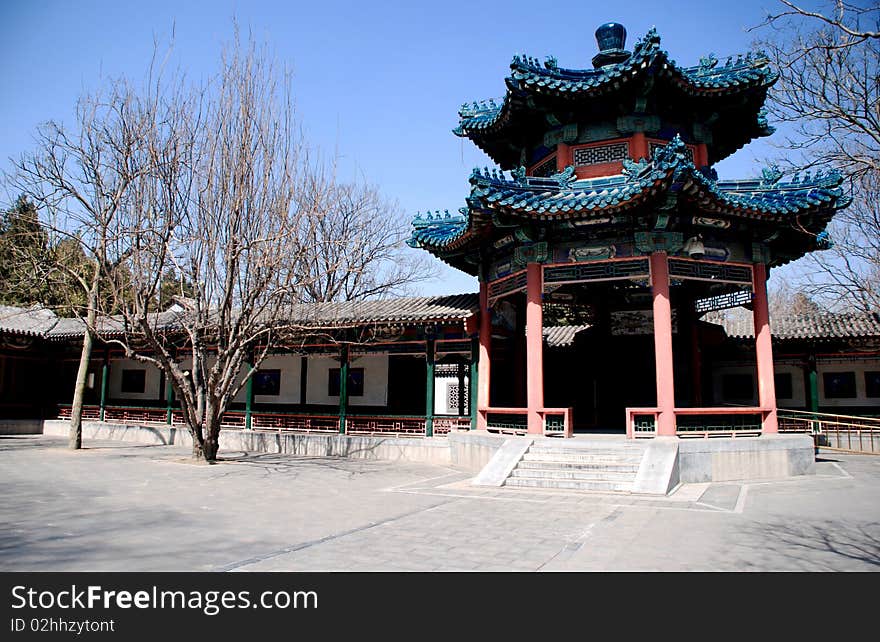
[169,400]
[343,387]
[472,397]
[814,388]
[429,387]
[105,369]
[248,398]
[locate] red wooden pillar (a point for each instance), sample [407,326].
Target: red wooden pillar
[638,146]
[563,156]
[485,349]
[534,347]
[663,344]
[764,348]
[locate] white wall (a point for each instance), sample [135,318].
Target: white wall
[152,379]
[375,380]
[289,390]
[440,392]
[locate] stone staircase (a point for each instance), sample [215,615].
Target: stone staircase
[604,467]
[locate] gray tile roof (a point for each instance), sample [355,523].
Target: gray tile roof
[561,336]
[42,322]
[33,321]
[824,325]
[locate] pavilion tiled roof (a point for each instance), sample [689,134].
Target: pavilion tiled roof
[530,78]
[562,197]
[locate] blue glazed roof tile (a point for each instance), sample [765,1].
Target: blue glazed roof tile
[562,196]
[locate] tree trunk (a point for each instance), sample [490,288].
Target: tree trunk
[74,440]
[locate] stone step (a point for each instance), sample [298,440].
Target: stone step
[577,458]
[592,450]
[618,466]
[586,475]
[570,484]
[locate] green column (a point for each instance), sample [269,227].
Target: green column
[105,368]
[343,387]
[813,378]
[429,388]
[472,396]
[248,397]
[169,400]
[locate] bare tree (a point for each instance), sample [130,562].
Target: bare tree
[828,94]
[79,176]
[356,246]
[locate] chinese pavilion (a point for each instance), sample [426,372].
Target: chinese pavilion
[611,215]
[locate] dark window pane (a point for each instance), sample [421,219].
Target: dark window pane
[738,386]
[839,385]
[872,383]
[134,380]
[267,382]
[333,383]
[783,385]
[355,382]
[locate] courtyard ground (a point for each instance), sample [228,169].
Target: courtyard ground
[119,506]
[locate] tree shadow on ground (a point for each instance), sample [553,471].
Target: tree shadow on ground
[817,546]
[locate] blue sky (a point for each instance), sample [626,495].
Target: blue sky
[381,82]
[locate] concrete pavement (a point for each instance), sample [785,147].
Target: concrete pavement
[120,506]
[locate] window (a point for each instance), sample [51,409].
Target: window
[839,385]
[872,383]
[738,386]
[134,381]
[267,382]
[783,385]
[355,382]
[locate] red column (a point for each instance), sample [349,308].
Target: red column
[534,347]
[484,364]
[764,348]
[563,156]
[638,146]
[663,344]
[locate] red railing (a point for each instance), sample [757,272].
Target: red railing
[521,427]
[446,425]
[295,423]
[391,426]
[637,427]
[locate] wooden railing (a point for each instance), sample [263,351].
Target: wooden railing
[550,420]
[384,425]
[839,432]
[723,421]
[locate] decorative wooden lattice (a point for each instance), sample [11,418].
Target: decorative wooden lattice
[616,152]
[453,397]
[706,271]
[402,426]
[508,285]
[597,271]
[723,301]
[445,425]
[295,423]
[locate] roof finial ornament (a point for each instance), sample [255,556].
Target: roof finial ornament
[612,45]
